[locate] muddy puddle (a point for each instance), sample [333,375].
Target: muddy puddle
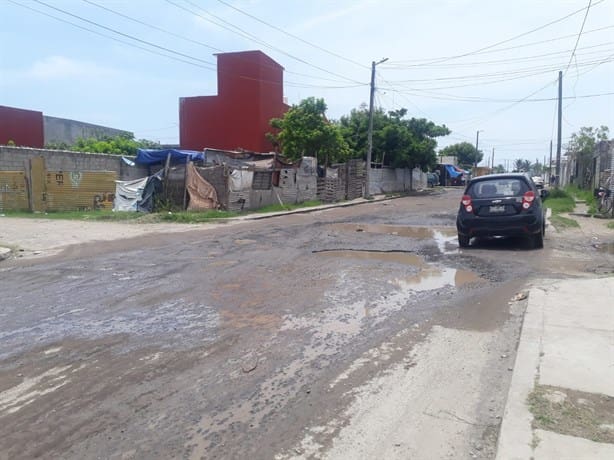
[429,277]
[444,237]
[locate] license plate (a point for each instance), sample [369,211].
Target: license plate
[497,209]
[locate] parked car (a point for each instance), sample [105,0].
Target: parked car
[501,205]
[538,181]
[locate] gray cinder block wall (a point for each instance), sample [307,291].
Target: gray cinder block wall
[16,159]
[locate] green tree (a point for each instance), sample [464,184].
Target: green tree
[118,145]
[397,141]
[521,165]
[465,153]
[305,131]
[499,169]
[582,146]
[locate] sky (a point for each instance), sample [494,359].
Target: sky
[487,66]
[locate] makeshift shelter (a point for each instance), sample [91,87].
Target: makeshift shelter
[137,195]
[202,194]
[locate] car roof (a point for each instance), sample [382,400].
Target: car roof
[500,176]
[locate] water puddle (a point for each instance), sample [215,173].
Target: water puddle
[442,236]
[399,257]
[397,230]
[428,278]
[432,278]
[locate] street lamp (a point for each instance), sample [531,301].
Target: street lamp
[370,132]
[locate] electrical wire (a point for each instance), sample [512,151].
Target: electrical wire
[498,62]
[152,26]
[501,80]
[507,107]
[173,34]
[424,62]
[519,71]
[111,37]
[237,30]
[573,53]
[516,37]
[131,37]
[293,36]
[211,67]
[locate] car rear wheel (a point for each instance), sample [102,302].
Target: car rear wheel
[463,240]
[537,240]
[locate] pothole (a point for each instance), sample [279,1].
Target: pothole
[442,236]
[428,278]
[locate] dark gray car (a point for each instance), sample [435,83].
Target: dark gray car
[501,205]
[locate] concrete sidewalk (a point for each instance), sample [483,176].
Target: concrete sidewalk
[565,364]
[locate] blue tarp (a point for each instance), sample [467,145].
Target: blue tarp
[452,171]
[153,156]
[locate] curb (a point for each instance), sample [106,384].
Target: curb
[344,204]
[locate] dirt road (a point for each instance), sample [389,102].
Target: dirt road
[356,332]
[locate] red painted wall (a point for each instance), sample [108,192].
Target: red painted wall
[23,127]
[250,93]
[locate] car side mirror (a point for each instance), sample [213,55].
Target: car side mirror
[543,193]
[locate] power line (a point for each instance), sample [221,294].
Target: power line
[292,35]
[211,67]
[508,107]
[131,37]
[425,62]
[173,34]
[533,57]
[520,75]
[237,30]
[152,26]
[453,98]
[573,53]
[110,37]
[522,70]
[516,37]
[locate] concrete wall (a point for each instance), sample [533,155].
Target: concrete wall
[62,130]
[388,180]
[16,158]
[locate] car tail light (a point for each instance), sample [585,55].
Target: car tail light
[466,202]
[527,199]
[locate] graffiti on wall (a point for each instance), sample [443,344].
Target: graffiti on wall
[79,190]
[13,191]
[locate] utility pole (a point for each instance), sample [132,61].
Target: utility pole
[492,160]
[370,132]
[559,134]
[477,140]
[550,164]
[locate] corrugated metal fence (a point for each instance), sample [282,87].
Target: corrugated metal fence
[40,190]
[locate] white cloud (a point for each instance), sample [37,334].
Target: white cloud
[60,67]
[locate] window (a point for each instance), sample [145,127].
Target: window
[262,180]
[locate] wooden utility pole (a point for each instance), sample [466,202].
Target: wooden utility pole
[559,133]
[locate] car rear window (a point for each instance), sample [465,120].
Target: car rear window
[498,187]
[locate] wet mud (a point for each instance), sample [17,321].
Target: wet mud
[228,343]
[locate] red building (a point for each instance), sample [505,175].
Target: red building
[22,127]
[250,93]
